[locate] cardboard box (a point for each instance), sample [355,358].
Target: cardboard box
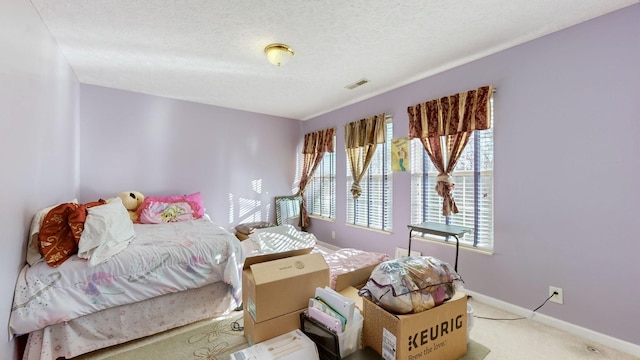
[293,345]
[356,278]
[351,292]
[256,259]
[278,287]
[438,333]
[265,330]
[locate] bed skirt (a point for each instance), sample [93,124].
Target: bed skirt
[129,322]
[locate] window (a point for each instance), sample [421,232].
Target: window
[373,208]
[473,192]
[320,195]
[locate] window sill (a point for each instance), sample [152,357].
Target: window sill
[452,243]
[323,218]
[370,229]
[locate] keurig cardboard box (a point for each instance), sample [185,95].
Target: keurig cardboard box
[438,333]
[278,287]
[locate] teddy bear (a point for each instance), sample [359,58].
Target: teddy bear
[131,201]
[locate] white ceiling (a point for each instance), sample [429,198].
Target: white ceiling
[211,51]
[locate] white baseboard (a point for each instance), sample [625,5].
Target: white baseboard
[576,330]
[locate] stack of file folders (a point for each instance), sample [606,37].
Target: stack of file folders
[333,323]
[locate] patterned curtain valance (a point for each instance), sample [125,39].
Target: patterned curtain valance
[366,131]
[319,141]
[466,111]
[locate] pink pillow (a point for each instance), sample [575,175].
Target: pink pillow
[159,209]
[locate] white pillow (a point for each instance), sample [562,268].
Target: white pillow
[33,246]
[108,230]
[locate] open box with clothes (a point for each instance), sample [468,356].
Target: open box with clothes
[414,307]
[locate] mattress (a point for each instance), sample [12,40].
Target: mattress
[162,259]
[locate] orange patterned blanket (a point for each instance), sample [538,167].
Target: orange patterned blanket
[61,229]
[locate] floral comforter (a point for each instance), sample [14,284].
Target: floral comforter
[163,258]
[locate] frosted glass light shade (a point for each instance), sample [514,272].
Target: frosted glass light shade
[278,54]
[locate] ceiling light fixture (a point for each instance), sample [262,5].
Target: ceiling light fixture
[278,54]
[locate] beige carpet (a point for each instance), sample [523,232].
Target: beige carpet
[212,339]
[475,351]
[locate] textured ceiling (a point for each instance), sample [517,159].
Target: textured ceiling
[211,51]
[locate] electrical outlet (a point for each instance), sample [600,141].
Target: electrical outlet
[333,234]
[400,252]
[557,298]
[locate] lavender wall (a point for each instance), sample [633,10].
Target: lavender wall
[567,229]
[238,160]
[566,173]
[38,137]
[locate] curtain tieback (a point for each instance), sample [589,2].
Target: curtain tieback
[356,190]
[444,182]
[442,177]
[444,186]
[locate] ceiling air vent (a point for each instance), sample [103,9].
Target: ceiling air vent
[357,84]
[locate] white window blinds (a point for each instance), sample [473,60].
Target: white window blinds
[321,192]
[473,192]
[373,209]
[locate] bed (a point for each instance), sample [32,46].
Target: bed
[168,275]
